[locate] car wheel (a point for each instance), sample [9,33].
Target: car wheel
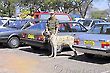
[34,47]
[14,42]
[89,55]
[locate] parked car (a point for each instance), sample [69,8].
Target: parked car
[88,23]
[46,15]
[9,32]
[95,42]
[34,35]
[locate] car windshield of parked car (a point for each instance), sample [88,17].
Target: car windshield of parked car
[1,22]
[95,29]
[96,21]
[15,23]
[71,27]
[60,17]
[38,26]
[85,22]
[81,21]
[44,16]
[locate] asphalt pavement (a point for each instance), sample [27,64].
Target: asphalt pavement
[26,60]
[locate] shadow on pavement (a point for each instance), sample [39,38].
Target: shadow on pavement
[41,52]
[2,46]
[95,59]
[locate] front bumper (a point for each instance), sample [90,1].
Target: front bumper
[92,51]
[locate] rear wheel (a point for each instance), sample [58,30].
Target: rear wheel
[89,55]
[13,42]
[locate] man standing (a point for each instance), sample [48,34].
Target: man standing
[52,30]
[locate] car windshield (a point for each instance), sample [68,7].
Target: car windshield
[62,17]
[85,22]
[15,23]
[63,27]
[44,16]
[95,29]
[71,27]
[38,26]
[1,22]
[59,17]
[81,21]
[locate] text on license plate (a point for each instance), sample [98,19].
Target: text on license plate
[30,36]
[89,42]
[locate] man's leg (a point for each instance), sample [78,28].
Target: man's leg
[55,50]
[52,42]
[52,49]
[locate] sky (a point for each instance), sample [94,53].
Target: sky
[100,4]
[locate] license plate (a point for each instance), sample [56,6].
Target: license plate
[30,36]
[89,42]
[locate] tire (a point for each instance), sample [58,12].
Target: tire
[89,55]
[13,42]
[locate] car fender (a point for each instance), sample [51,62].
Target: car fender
[13,34]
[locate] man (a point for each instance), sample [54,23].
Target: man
[52,30]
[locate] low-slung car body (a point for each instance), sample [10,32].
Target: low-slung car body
[95,41]
[9,32]
[34,35]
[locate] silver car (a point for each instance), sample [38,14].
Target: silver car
[95,41]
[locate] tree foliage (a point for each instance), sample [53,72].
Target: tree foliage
[99,14]
[8,6]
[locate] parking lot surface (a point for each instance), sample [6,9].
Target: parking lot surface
[26,60]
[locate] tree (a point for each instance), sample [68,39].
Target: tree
[8,7]
[82,6]
[99,14]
